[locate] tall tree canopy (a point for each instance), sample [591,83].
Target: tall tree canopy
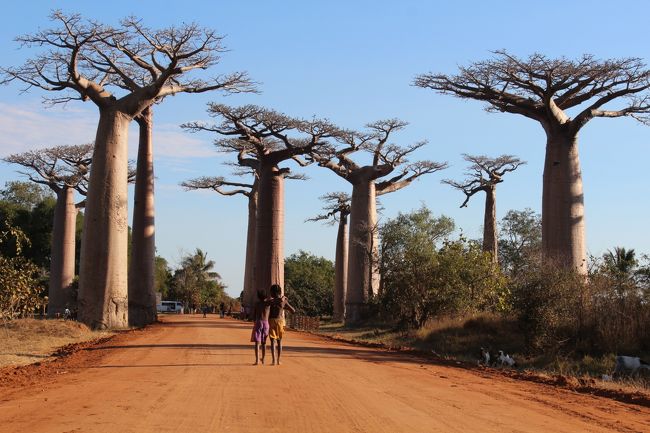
[389,171]
[562,95]
[263,139]
[123,70]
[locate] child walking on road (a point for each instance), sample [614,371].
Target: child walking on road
[278,303]
[261,327]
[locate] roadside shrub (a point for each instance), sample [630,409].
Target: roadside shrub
[547,303]
[20,291]
[421,281]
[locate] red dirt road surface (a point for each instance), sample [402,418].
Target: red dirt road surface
[191,374]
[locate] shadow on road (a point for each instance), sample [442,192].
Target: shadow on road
[207,323]
[371,355]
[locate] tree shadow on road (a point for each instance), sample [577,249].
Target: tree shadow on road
[371,355]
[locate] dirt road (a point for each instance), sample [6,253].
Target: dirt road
[195,375]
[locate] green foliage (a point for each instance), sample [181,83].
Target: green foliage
[29,208]
[162,277]
[195,283]
[25,195]
[309,283]
[421,281]
[607,312]
[547,302]
[520,239]
[20,292]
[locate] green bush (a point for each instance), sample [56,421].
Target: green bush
[421,281]
[20,291]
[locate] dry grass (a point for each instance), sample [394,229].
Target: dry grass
[26,341]
[461,338]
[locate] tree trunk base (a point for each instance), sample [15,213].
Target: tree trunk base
[142,315]
[355,313]
[114,315]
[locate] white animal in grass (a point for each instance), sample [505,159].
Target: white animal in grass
[505,360]
[629,365]
[484,357]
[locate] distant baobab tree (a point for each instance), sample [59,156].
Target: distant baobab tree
[123,70]
[63,169]
[269,138]
[546,90]
[367,184]
[249,190]
[336,210]
[483,175]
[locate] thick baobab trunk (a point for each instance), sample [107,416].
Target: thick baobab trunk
[103,271]
[363,216]
[62,267]
[490,224]
[341,268]
[563,225]
[142,296]
[269,236]
[250,290]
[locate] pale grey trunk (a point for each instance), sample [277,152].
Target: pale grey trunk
[341,268]
[269,243]
[103,270]
[60,295]
[363,216]
[142,296]
[250,291]
[490,224]
[563,225]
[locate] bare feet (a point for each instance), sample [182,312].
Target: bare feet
[256,363]
[273,362]
[262,361]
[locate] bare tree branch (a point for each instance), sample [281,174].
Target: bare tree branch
[543,89]
[217,184]
[337,206]
[484,173]
[57,167]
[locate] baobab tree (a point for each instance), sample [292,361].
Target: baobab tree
[562,95]
[337,209]
[142,295]
[363,275]
[89,61]
[269,138]
[63,169]
[249,190]
[483,175]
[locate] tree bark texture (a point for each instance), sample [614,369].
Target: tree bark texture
[341,268]
[62,264]
[490,224]
[363,218]
[250,290]
[103,270]
[142,296]
[563,224]
[269,236]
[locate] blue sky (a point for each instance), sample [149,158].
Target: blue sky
[353,62]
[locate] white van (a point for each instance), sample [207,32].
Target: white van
[170,307]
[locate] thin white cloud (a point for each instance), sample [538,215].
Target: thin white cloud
[171,142]
[28,126]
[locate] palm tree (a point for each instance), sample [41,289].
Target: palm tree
[195,278]
[621,261]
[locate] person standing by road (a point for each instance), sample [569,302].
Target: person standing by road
[278,303]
